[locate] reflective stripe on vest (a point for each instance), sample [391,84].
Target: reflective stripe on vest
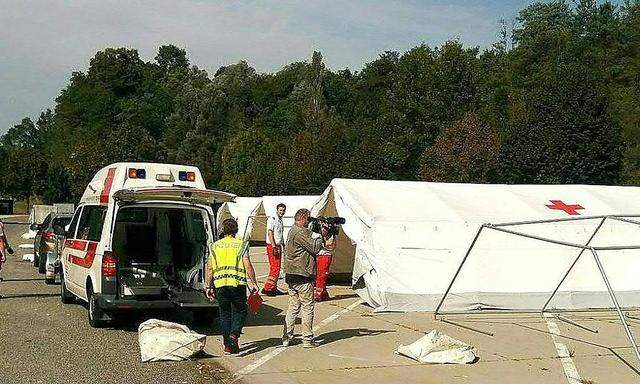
[226,263]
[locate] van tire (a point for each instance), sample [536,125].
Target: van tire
[66,297]
[94,312]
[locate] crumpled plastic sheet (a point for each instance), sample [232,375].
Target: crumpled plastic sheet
[437,348]
[166,341]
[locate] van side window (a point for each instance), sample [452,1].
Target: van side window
[91,222]
[71,233]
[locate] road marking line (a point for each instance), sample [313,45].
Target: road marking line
[278,350]
[347,357]
[570,370]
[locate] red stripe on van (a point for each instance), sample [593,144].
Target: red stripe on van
[79,245]
[104,195]
[87,260]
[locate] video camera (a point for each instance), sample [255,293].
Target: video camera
[332,223]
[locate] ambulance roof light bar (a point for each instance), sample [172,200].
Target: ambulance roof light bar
[139,173]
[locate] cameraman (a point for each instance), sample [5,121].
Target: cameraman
[300,268]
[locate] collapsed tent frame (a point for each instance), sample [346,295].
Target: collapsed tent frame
[583,247]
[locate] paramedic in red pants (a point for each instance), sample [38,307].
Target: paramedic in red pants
[275,239]
[323,264]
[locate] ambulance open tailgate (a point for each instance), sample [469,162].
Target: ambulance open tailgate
[192,195]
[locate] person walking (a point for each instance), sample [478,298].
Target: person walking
[301,249]
[274,240]
[229,267]
[5,248]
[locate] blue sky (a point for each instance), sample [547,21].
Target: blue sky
[42,42]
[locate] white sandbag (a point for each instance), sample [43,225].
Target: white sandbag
[163,340]
[436,348]
[28,257]
[29,235]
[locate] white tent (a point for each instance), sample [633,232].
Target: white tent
[240,209]
[257,225]
[403,242]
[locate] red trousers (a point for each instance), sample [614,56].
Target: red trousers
[323,263]
[275,260]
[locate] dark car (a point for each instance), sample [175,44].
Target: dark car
[47,245]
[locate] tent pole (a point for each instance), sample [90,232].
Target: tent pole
[246,225]
[544,307]
[636,222]
[573,245]
[615,303]
[466,327]
[514,223]
[435,313]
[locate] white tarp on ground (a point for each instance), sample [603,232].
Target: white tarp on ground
[403,242]
[163,340]
[257,227]
[240,209]
[436,348]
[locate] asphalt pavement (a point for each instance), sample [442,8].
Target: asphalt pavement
[45,341]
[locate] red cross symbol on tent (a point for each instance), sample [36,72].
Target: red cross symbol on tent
[571,209]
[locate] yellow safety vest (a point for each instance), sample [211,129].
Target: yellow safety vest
[226,263]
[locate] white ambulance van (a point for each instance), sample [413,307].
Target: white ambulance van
[138,240]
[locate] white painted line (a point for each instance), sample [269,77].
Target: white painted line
[347,357]
[278,350]
[570,370]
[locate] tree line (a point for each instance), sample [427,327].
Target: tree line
[556,99]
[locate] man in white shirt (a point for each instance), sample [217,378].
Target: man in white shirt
[275,241]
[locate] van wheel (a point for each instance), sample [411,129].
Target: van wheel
[94,312]
[65,296]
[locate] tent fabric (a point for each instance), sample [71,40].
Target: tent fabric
[240,209]
[257,225]
[403,241]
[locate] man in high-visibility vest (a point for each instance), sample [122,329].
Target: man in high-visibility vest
[229,267]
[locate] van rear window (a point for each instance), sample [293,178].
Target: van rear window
[133,215]
[165,236]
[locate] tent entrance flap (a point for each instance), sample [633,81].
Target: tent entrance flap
[582,247]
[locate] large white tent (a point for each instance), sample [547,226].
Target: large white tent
[404,241]
[239,209]
[256,229]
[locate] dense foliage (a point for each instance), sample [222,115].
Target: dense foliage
[556,100]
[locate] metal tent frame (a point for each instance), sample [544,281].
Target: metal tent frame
[583,247]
